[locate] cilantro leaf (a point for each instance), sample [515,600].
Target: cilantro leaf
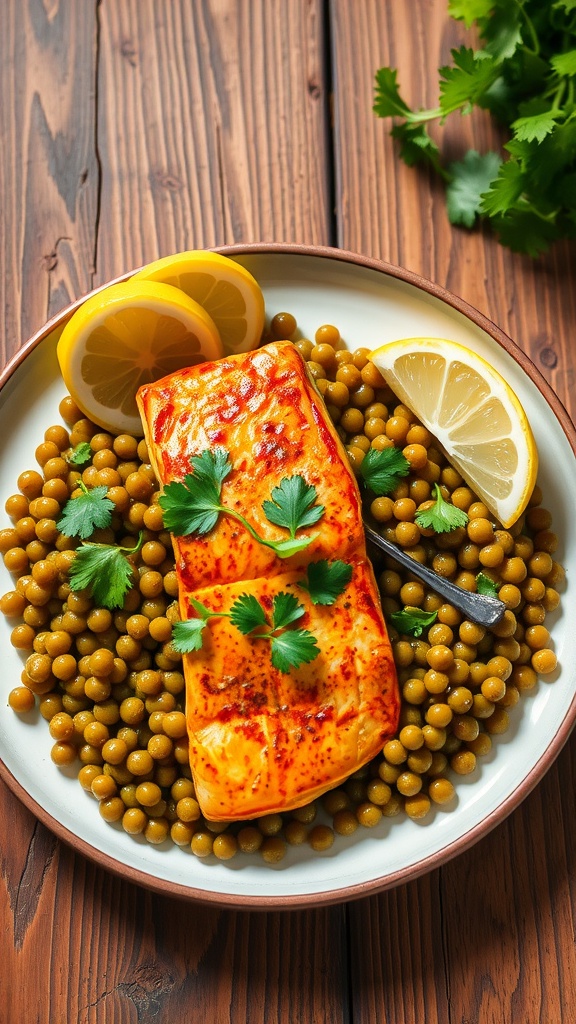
[565,63]
[485,585]
[247,613]
[469,11]
[462,85]
[286,609]
[193,505]
[381,471]
[105,571]
[213,466]
[442,517]
[535,127]
[91,510]
[325,581]
[504,190]
[413,620]
[526,230]
[80,454]
[293,504]
[387,99]
[470,179]
[292,648]
[288,647]
[187,635]
[417,145]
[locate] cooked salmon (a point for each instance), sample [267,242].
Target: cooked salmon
[262,740]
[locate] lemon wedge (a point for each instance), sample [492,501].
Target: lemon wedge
[472,412]
[224,288]
[126,335]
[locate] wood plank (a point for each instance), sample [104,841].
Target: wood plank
[213,127]
[489,938]
[208,125]
[48,164]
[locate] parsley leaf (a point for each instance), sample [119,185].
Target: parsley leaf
[463,84]
[293,648]
[80,454]
[289,648]
[187,635]
[293,504]
[194,504]
[105,571]
[535,127]
[286,609]
[470,179]
[381,471]
[247,613]
[412,620]
[89,511]
[325,581]
[387,99]
[504,190]
[485,585]
[442,517]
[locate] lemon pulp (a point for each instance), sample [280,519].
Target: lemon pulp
[474,414]
[224,288]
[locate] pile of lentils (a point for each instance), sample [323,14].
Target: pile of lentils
[110,684]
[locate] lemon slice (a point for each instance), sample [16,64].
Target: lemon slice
[225,289]
[472,412]
[127,335]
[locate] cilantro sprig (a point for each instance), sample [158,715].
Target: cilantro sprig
[382,471]
[485,585]
[105,571]
[441,516]
[413,621]
[89,511]
[524,74]
[324,582]
[194,504]
[289,648]
[80,454]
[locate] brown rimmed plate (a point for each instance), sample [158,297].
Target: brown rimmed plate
[371,303]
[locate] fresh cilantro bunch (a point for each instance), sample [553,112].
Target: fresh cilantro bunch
[524,75]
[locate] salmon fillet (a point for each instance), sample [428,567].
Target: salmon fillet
[262,740]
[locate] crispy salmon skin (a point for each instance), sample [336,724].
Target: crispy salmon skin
[263,740]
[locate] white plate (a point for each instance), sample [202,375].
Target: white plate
[371,304]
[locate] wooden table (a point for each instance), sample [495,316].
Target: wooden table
[130,129]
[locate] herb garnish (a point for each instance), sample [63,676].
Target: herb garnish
[485,585]
[382,471]
[325,581]
[524,74]
[90,511]
[81,454]
[104,570]
[194,504]
[442,517]
[289,647]
[413,620]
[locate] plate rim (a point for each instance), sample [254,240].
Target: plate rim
[478,831]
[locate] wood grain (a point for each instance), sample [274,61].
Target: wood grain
[197,124]
[48,162]
[130,129]
[213,127]
[490,938]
